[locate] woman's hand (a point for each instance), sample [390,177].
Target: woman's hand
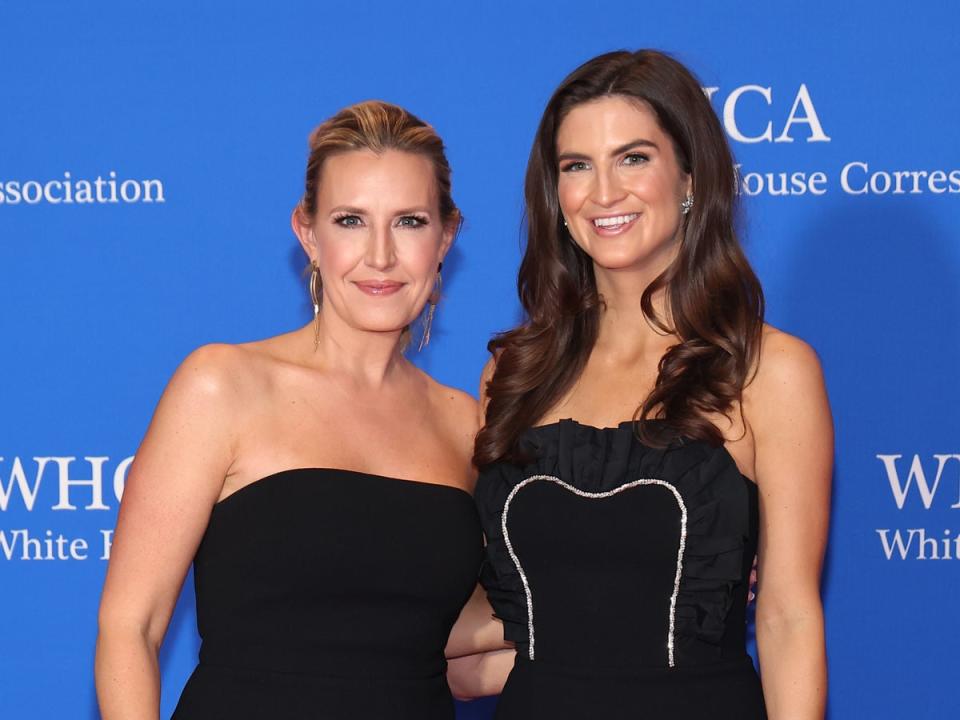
[479,659]
[479,675]
[476,629]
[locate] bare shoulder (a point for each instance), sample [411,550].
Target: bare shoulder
[195,424]
[213,373]
[489,368]
[459,407]
[221,380]
[786,366]
[486,375]
[786,404]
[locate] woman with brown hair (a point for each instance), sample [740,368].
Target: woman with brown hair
[318,480]
[619,549]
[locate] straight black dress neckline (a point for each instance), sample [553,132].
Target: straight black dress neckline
[332,472]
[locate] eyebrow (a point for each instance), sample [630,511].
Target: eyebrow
[639,142]
[358,211]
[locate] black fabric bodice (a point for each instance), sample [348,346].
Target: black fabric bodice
[609,559]
[326,593]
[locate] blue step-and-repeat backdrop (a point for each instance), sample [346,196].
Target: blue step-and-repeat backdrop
[150,155]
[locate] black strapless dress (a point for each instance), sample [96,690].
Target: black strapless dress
[330,594]
[621,573]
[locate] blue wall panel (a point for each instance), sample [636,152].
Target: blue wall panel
[213,100]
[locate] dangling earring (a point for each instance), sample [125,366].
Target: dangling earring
[315,297]
[686,205]
[433,301]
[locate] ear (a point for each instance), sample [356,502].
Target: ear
[304,233]
[688,185]
[449,233]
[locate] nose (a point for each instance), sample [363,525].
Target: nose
[607,189]
[381,251]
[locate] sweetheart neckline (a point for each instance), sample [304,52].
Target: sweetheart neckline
[355,473]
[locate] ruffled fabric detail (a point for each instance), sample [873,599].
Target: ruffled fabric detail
[719,522]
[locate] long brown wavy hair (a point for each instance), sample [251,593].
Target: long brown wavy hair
[714,300]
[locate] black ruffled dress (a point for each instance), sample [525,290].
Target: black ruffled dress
[621,574]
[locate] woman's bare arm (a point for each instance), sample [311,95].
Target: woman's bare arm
[790,416]
[173,483]
[479,658]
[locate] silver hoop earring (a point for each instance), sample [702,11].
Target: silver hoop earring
[433,302]
[686,205]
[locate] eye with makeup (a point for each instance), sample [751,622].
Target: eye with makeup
[412,221]
[635,159]
[347,220]
[574,166]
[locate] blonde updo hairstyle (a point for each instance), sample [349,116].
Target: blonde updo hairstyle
[377,126]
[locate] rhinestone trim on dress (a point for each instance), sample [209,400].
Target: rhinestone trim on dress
[595,496]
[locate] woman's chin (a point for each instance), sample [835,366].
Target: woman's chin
[384,326]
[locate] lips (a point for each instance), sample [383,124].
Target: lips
[614,224]
[616,220]
[378,287]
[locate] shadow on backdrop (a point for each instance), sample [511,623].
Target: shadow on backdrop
[868,280]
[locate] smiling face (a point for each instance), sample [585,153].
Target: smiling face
[620,185]
[377,237]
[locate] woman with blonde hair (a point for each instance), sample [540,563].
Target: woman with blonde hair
[318,480]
